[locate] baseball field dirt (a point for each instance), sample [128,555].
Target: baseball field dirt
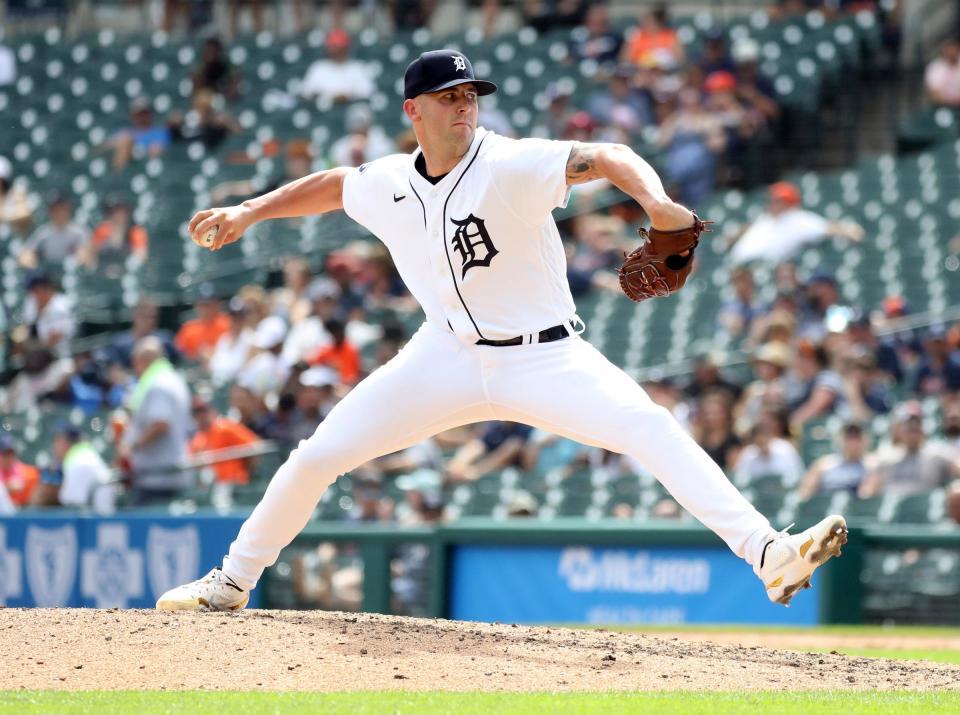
[79,649]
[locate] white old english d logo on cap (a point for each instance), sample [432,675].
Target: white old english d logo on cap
[459,63]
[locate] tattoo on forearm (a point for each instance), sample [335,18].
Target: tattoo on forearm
[581,166]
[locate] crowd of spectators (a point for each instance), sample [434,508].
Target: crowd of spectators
[270,364]
[280,359]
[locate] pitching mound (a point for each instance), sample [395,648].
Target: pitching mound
[313,650]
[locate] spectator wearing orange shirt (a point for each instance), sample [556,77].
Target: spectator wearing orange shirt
[654,43]
[216,432]
[116,237]
[341,355]
[197,338]
[18,478]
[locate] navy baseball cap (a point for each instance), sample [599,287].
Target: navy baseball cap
[441,69]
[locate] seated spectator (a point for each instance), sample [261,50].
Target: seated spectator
[407,15]
[7,507]
[754,90]
[693,138]
[546,15]
[814,390]
[363,141]
[619,106]
[59,238]
[868,390]
[17,480]
[44,377]
[143,138]
[821,312]
[391,340]
[237,7]
[154,443]
[48,314]
[713,429]
[844,470]
[81,479]
[145,321]
[290,301]
[215,432]
[715,55]
[600,42]
[15,206]
[384,289]
[340,355]
[8,65]
[215,73]
[916,464]
[88,385]
[942,76]
[951,425]
[248,408]
[234,346]
[861,335]
[116,238]
[345,267]
[309,335]
[939,368]
[770,363]
[197,338]
[707,377]
[315,397]
[545,451]
[785,228]
[653,41]
[337,78]
[267,371]
[666,393]
[599,247]
[203,123]
[766,454]
[556,116]
[740,124]
[297,164]
[737,315]
[499,445]
[953,502]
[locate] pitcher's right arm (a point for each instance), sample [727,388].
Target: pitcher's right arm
[316,193]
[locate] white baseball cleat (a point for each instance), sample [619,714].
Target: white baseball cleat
[214,592]
[789,560]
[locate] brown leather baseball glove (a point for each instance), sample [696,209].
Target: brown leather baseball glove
[661,264]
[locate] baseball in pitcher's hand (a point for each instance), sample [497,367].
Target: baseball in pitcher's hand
[231,222]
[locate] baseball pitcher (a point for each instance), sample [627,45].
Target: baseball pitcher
[467,220]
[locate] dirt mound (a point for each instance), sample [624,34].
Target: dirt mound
[313,650]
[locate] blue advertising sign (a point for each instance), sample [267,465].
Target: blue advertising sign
[123,561]
[605,585]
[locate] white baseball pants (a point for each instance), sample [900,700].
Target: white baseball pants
[437,382]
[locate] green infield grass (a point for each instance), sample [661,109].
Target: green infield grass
[435,703]
[840,630]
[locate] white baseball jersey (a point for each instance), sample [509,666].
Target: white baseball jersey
[479,250]
[481,253]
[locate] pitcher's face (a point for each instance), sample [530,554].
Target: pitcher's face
[448,116]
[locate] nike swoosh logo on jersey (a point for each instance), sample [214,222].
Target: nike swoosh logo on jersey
[398,198]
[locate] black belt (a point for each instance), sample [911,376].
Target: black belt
[557,332]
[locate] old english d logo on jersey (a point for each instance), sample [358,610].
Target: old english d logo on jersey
[473,243]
